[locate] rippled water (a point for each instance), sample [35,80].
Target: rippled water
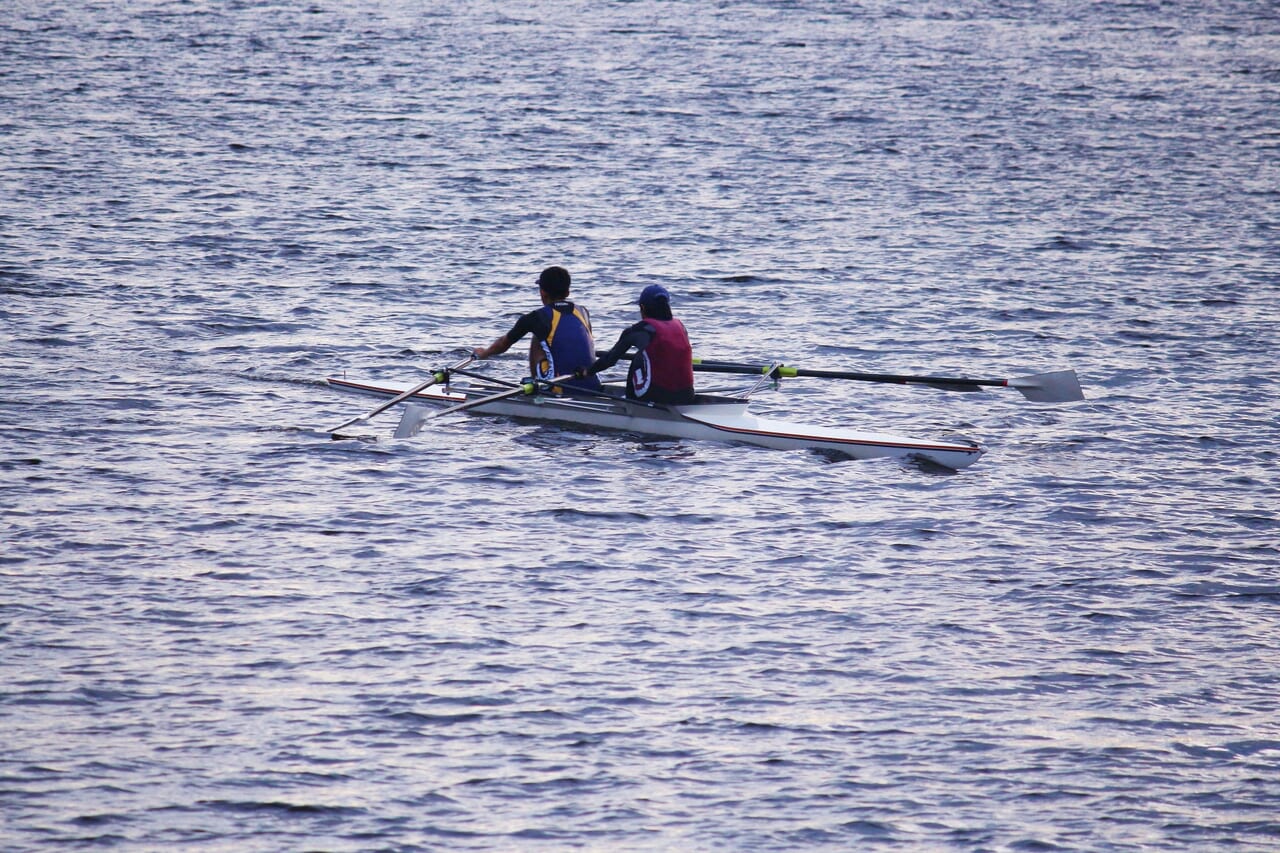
[222,630]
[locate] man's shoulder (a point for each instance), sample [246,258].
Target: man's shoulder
[536,316]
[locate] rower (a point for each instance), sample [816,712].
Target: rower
[662,367]
[561,331]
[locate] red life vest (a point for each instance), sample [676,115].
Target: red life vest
[666,364]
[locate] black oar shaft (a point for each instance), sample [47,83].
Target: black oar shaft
[782,371]
[1058,387]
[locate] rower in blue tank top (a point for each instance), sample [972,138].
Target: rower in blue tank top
[662,368]
[562,341]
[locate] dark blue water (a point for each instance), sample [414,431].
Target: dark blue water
[221,630]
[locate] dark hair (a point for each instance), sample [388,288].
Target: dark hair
[555,281]
[658,309]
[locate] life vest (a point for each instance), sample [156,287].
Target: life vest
[665,367]
[567,347]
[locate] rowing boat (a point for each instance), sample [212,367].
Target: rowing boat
[709,417]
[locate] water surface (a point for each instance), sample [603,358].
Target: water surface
[223,630]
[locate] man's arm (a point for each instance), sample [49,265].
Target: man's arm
[503,342]
[500,345]
[638,337]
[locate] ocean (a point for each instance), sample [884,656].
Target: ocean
[220,629]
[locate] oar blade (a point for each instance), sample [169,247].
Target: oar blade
[1062,386]
[411,421]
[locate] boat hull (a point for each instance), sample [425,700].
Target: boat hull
[710,419]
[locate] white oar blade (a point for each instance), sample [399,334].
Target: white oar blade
[1059,387]
[411,421]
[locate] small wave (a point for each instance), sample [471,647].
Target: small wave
[1065,244]
[258,806]
[421,718]
[572,513]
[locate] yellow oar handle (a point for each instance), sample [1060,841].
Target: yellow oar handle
[775,370]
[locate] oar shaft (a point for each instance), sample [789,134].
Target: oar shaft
[438,376]
[1058,387]
[784,372]
[901,379]
[412,421]
[524,388]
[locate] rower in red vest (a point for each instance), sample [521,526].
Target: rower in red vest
[662,367]
[562,342]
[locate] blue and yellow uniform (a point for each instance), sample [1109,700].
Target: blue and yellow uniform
[562,342]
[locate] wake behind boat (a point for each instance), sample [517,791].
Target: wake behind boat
[709,417]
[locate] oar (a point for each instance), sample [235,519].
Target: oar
[410,425]
[1059,387]
[438,376]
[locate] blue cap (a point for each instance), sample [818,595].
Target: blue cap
[652,294]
